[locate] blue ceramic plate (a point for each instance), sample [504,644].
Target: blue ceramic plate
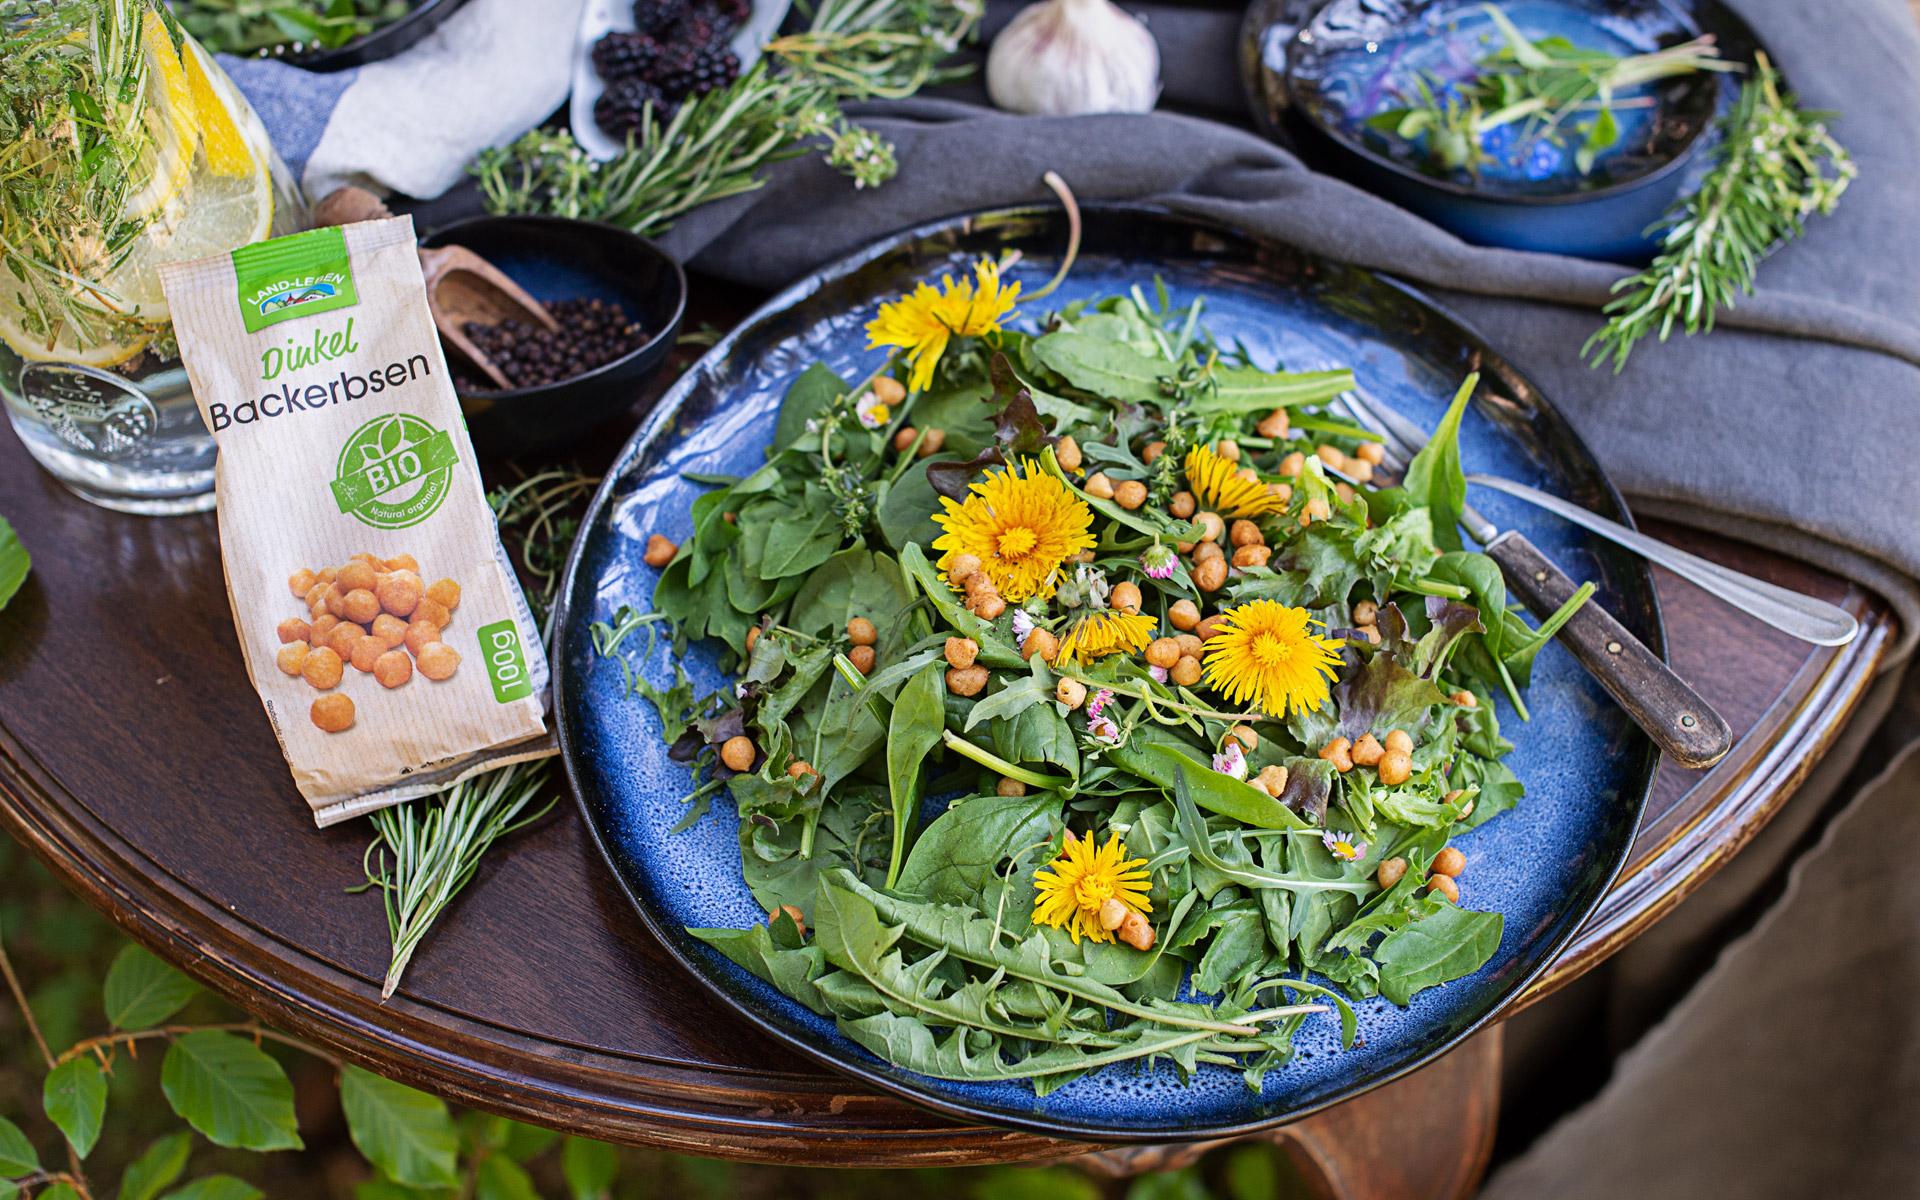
[1545,865]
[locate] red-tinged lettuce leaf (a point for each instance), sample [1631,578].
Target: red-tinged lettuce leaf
[1451,620]
[1382,695]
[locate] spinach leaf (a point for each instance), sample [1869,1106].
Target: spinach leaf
[1239,945]
[919,716]
[956,857]
[1434,477]
[856,583]
[1447,945]
[804,538]
[814,391]
[14,562]
[964,411]
[906,513]
[1038,735]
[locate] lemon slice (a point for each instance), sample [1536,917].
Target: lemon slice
[172,120]
[224,201]
[66,348]
[220,136]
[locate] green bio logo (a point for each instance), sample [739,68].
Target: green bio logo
[294,276]
[394,471]
[506,664]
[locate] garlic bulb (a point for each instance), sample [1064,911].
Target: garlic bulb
[1059,58]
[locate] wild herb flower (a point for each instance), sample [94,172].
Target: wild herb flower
[1021,526]
[923,322]
[1213,482]
[1159,561]
[1266,654]
[1074,887]
[1231,761]
[1105,632]
[1343,846]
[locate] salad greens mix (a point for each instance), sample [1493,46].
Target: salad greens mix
[1134,720]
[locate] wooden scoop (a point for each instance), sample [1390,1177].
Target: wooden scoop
[461,286]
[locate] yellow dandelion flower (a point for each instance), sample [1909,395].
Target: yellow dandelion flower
[1216,486]
[1099,634]
[922,323]
[1265,654]
[1084,877]
[1020,526]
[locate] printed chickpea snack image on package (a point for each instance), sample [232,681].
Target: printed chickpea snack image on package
[380,622]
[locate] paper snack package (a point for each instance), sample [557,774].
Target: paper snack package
[380,621]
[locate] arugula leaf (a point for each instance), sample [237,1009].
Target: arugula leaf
[1434,477]
[1014,697]
[1249,389]
[1105,368]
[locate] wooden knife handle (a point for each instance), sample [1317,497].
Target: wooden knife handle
[1673,714]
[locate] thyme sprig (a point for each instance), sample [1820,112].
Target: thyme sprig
[716,145]
[1777,165]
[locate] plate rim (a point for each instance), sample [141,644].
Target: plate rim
[677,943]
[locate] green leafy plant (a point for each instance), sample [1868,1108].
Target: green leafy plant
[1543,90]
[15,562]
[247,26]
[716,144]
[1776,165]
[221,1081]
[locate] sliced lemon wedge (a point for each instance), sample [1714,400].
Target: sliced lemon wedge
[172,120]
[225,200]
[220,136]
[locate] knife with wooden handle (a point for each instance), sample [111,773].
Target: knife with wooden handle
[1672,713]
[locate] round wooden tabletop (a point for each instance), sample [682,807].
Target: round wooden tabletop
[136,762]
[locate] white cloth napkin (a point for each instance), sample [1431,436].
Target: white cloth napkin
[413,122]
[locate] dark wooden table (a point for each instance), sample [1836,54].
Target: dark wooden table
[136,762]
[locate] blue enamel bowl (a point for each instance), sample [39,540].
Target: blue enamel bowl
[1545,865]
[1315,81]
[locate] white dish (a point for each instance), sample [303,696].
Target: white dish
[601,17]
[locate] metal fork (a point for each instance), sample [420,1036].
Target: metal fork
[1803,617]
[1683,725]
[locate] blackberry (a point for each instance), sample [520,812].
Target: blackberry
[623,55]
[655,17]
[692,70]
[619,108]
[704,25]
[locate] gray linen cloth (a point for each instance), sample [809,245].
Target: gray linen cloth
[1794,424]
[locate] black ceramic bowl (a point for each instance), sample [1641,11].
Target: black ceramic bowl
[554,258]
[1294,63]
[384,42]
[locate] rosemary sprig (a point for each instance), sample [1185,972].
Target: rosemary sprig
[1776,165]
[74,144]
[716,144]
[436,843]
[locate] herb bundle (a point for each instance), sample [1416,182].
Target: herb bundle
[1776,165]
[74,146]
[1155,832]
[715,145]
[1525,101]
